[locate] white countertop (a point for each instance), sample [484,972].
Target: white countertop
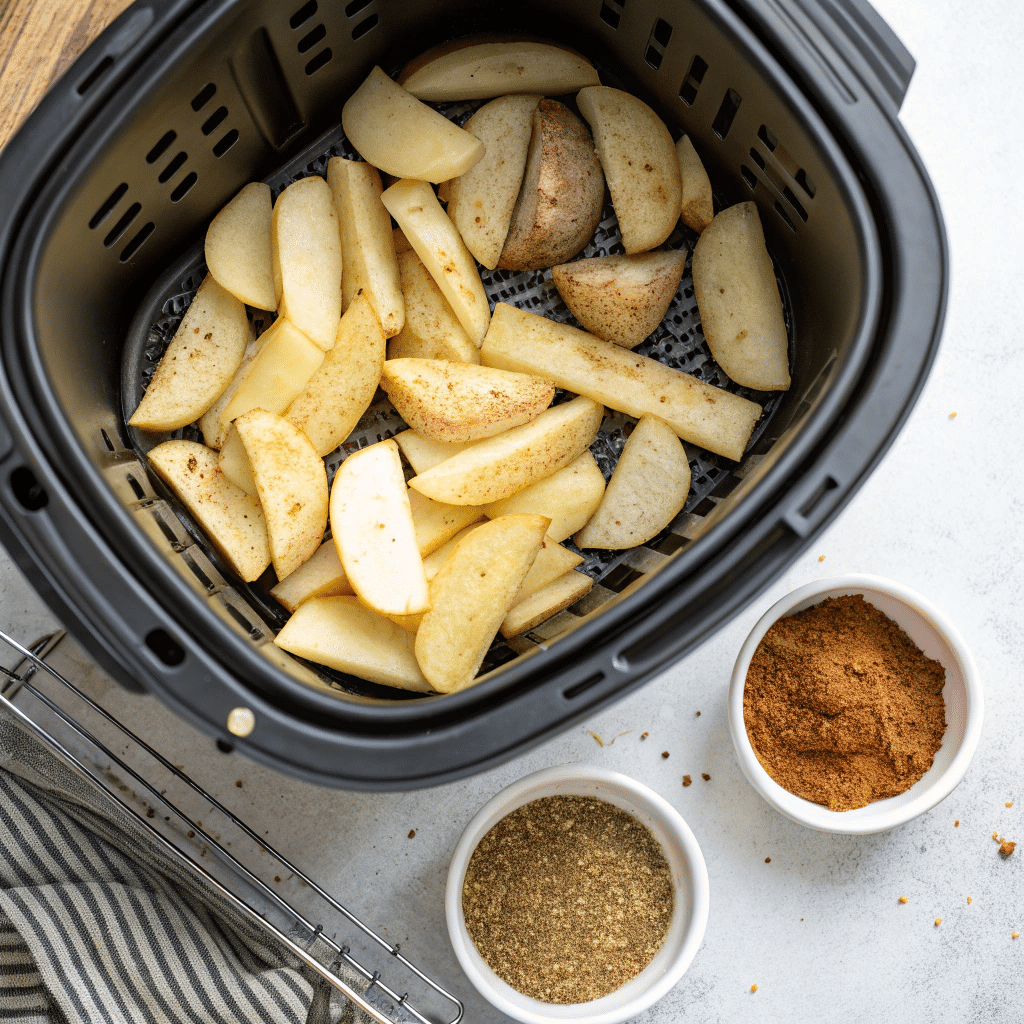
[820,929]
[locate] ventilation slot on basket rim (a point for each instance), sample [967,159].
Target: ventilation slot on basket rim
[726,113]
[657,41]
[204,96]
[611,12]
[161,147]
[136,243]
[108,205]
[122,225]
[691,83]
[225,143]
[184,187]
[303,14]
[214,121]
[172,168]
[364,26]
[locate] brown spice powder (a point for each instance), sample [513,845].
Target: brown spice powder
[567,898]
[841,706]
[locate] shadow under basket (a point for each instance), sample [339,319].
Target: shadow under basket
[105,195]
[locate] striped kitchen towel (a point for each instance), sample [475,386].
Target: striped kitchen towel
[99,925]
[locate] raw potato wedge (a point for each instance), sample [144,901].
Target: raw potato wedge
[480,69]
[371,520]
[432,330]
[231,519]
[238,247]
[560,202]
[552,561]
[343,386]
[471,595]
[368,259]
[433,562]
[481,201]
[209,423]
[423,453]
[568,498]
[200,361]
[621,298]
[306,255]
[697,208]
[462,401]
[321,575]
[292,484]
[435,523]
[639,162]
[499,466]
[341,633]
[738,299]
[438,244]
[704,415]
[393,130]
[234,463]
[646,492]
[549,600]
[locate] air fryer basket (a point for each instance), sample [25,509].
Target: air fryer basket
[104,198]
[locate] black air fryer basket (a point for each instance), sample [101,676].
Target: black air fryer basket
[105,194]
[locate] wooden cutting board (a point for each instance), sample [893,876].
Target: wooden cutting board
[39,40]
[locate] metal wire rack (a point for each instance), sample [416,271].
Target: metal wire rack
[151,790]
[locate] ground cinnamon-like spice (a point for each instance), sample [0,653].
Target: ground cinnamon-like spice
[841,706]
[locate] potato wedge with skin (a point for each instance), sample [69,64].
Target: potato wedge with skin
[423,453]
[471,595]
[435,523]
[321,575]
[343,634]
[432,330]
[231,519]
[461,401]
[549,600]
[477,69]
[199,362]
[499,466]
[646,492]
[292,483]
[238,251]
[371,520]
[621,298]
[697,206]
[368,259]
[739,302]
[343,386]
[393,130]
[438,244]
[568,498]
[209,423]
[481,201]
[704,415]
[639,162]
[306,259]
[562,195]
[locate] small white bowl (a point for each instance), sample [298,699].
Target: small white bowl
[689,877]
[938,639]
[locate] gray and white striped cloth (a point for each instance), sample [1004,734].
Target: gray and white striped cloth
[98,925]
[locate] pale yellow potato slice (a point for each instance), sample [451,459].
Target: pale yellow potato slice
[424,453]
[435,523]
[432,330]
[497,467]
[234,463]
[341,633]
[639,162]
[739,302]
[279,372]
[368,259]
[306,259]
[321,575]
[621,298]
[697,206]
[371,520]
[209,423]
[439,245]
[462,401]
[549,600]
[481,201]
[433,562]
[238,247]
[232,521]
[199,362]
[568,498]
[292,483]
[562,196]
[471,595]
[343,386]
[646,492]
[394,131]
[477,69]
[553,560]
[704,415]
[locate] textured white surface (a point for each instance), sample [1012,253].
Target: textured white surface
[819,929]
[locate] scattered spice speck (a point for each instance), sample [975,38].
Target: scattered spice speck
[938,921]
[1006,848]
[952,415]
[1009,803]
[767,860]
[277,878]
[903,899]
[412,834]
[956,824]
[600,742]
[664,753]
[238,783]
[697,715]
[995,836]
[821,558]
[753,988]
[687,780]
[644,735]
[969,901]
[705,776]
[1014,935]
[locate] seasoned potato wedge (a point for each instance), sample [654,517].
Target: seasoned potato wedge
[646,492]
[738,298]
[209,423]
[435,523]
[553,560]
[321,575]
[423,453]
[394,131]
[697,207]
[234,463]
[530,612]
[238,249]
[462,401]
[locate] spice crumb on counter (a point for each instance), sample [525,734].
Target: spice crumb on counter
[821,558]
[697,715]
[412,834]
[767,860]
[1006,848]
[1009,803]
[600,742]
[952,415]
[238,783]
[687,781]
[705,776]
[753,988]
[1014,935]
[903,899]
[938,921]
[995,836]
[644,735]
[969,901]
[956,824]
[664,753]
